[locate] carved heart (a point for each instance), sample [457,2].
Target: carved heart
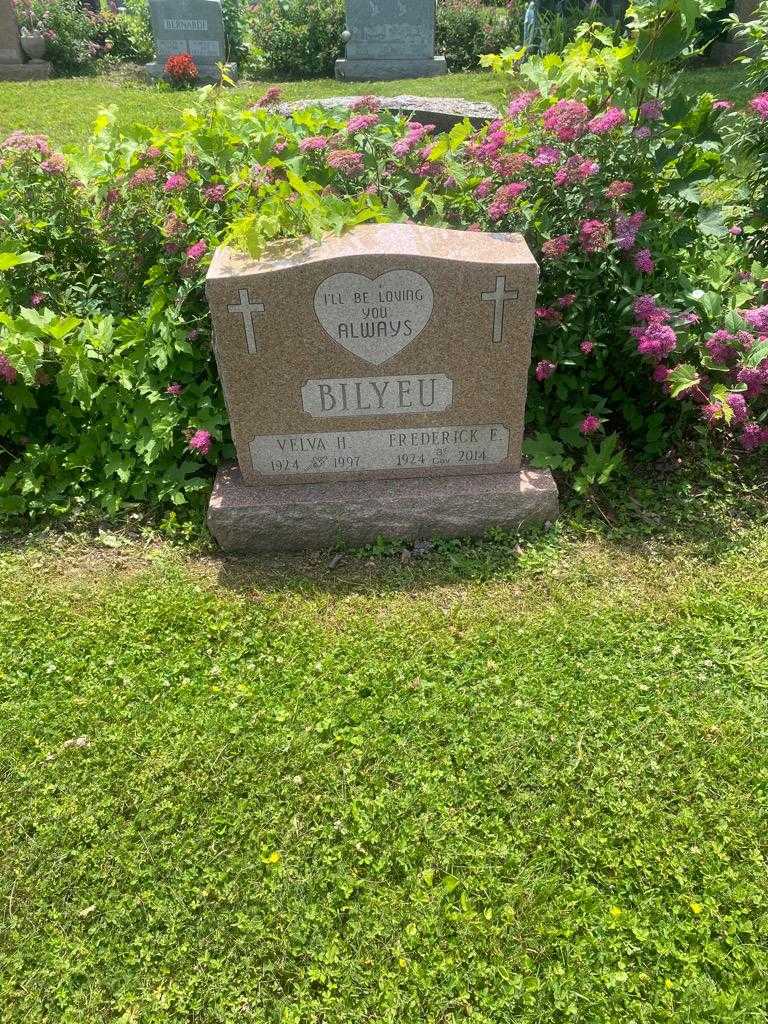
[374,320]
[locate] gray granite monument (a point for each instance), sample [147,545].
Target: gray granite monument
[195,27]
[389,39]
[376,386]
[13,67]
[442,111]
[733,45]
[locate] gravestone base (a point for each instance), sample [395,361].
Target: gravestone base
[373,70]
[32,71]
[296,517]
[442,111]
[207,74]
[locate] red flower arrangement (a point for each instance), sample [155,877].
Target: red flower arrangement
[181,69]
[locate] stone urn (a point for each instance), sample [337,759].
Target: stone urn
[33,45]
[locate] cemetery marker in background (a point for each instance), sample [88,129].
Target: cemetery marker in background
[195,27]
[12,65]
[389,39]
[376,385]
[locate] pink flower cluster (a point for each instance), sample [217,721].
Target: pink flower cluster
[567,119]
[196,252]
[504,198]
[345,161]
[576,170]
[626,228]
[269,99]
[547,313]
[603,123]
[173,225]
[722,347]
[644,261]
[372,103]
[546,155]
[759,104]
[313,143]
[488,149]
[555,248]
[25,142]
[758,318]
[544,370]
[144,176]
[509,165]
[521,102]
[193,255]
[415,132]
[7,372]
[362,122]
[618,189]
[200,442]
[651,110]
[655,338]
[593,236]
[176,183]
[214,193]
[55,164]
[590,424]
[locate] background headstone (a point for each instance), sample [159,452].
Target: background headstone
[195,27]
[390,39]
[727,49]
[391,354]
[12,65]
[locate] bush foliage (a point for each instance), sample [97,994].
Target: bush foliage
[108,390]
[651,324]
[297,38]
[80,41]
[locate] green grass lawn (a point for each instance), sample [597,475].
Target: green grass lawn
[65,109]
[502,784]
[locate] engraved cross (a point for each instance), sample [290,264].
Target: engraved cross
[500,296]
[246,308]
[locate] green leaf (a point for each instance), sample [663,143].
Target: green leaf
[710,302]
[681,378]
[439,149]
[460,133]
[62,326]
[304,188]
[15,259]
[106,117]
[733,323]
[711,222]
[544,451]
[757,354]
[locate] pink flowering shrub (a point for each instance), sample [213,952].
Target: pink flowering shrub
[108,388]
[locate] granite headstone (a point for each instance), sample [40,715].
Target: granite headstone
[389,39]
[13,67]
[195,27]
[391,360]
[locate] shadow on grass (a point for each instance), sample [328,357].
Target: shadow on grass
[654,515]
[651,516]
